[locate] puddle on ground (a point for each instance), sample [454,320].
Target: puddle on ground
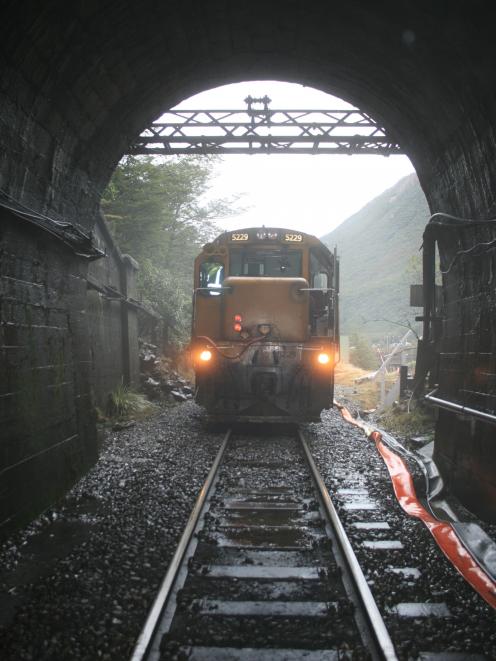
[45,548]
[40,557]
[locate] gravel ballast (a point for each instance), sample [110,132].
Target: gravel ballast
[78,583]
[358,480]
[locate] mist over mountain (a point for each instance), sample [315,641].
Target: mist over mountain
[379,253]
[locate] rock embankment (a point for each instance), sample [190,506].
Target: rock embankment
[159,379]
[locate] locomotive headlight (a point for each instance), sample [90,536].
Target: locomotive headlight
[324,358]
[205,356]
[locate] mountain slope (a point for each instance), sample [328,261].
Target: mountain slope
[376,246]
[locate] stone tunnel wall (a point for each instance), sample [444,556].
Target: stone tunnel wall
[67,339]
[47,421]
[465,448]
[462,182]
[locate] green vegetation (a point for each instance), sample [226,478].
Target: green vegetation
[157,213]
[124,404]
[362,354]
[418,422]
[379,251]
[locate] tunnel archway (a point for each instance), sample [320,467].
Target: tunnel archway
[80,81]
[84,81]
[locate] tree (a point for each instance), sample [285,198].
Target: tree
[157,213]
[361,353]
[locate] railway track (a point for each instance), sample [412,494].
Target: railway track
[264,569]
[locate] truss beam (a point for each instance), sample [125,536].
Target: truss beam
[266,131]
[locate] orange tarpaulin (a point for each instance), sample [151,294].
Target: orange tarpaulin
[442,531]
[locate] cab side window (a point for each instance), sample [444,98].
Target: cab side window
[319,277]
[319,300]
[320,280]
[211,277]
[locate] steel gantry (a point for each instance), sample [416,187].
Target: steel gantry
[263,130]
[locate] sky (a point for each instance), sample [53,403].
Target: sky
[301,192]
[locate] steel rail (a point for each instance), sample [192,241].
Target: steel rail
[376,624]
[147,636]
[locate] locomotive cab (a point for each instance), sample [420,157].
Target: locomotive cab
[265,326]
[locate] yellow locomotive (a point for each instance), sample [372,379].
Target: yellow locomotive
[265,330]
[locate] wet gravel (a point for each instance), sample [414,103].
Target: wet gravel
[359,482]
[77,583]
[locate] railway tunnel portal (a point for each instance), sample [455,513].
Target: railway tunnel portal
[80,81]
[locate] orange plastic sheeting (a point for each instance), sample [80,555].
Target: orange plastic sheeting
[443,532]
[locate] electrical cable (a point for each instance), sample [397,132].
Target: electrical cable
[31,212]
[68,233]
[436,219]
[488,246]
[446,220]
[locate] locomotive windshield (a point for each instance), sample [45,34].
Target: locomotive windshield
[211,275]
[274,262]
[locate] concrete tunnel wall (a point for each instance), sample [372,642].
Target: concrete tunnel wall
[80,80]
